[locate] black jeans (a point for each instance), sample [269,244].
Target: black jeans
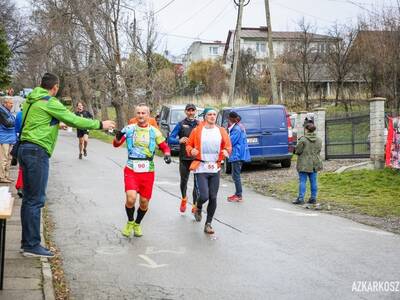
[208,185]
[236,169]
[184,172]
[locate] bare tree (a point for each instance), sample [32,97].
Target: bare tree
[303,58]
[338,56]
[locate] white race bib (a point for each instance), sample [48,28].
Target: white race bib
[211,166]
[141,166]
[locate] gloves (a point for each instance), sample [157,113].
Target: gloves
[167,159]
[119,134]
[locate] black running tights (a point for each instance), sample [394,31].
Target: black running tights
[208,185]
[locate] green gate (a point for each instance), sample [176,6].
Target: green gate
[347,137]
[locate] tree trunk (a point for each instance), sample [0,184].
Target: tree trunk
[84,96]
[104,107]
[117,102]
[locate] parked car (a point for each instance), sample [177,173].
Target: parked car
[267,128]
[169,116]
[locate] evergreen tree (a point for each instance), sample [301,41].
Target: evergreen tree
[5,55]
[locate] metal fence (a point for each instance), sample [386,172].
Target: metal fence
[347,137]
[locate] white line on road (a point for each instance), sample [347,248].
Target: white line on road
[296,213]
[167,183]
[152,250]
[111,250]
[373,231]
[150,263]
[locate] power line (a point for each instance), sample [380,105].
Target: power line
[164,7]
[362,5]
[144,12]
[193,15]
[184,36]
[302,12]
[216,17]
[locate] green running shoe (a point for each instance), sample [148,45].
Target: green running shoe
[128,228]
[137,230]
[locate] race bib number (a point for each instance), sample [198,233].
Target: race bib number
[211,166]
[141,166]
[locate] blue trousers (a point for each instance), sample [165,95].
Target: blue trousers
[303,184]
[236,169]
[34,162]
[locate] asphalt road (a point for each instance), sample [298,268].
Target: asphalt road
[262,249]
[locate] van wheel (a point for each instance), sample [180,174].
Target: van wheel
[227,167]
[286,163]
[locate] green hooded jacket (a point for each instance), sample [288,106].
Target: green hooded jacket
[308,149]
[42,122]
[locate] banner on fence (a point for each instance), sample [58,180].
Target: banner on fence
[393,143]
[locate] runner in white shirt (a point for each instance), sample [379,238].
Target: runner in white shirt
[209,144]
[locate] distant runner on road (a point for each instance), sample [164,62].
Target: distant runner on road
[141,140]
[180,135]
[82,134]
[208,144]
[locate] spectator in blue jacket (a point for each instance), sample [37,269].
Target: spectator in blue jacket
[8,138]
[18,123]
[240,153]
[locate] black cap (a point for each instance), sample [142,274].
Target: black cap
[233,115]
[190,106]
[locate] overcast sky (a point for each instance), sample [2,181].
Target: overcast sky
[184,21]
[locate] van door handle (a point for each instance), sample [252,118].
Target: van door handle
[267,133]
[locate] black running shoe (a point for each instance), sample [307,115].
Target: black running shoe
[80,155]
[298,201]
[84,152]
[312,201]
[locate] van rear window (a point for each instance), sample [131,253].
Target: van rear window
[250,118]
[272,118]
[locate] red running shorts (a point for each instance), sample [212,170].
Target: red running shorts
[142,183]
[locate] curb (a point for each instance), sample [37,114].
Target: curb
[48,288]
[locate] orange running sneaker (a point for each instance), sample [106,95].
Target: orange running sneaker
[182,208]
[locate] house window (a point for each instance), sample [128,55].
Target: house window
[261,48]
[213,50]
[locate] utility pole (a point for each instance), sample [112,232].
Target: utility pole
[271,55]
[236,49]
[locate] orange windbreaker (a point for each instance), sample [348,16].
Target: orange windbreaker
[152,122]
[195,142]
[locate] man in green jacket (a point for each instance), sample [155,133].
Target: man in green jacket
[42,114]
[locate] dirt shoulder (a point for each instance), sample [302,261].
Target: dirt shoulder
[272,180]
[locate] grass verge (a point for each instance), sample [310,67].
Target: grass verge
[375,193]
[101,135]
[61,288]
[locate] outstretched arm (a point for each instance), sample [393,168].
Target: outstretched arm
[119,139]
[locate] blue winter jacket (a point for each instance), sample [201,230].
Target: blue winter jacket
[240,148]
[18,122]
[7,127]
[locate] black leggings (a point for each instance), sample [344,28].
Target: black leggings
[184,172]
[208,185]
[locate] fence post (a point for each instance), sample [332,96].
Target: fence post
[377,132]
[319,121]
[301,115]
